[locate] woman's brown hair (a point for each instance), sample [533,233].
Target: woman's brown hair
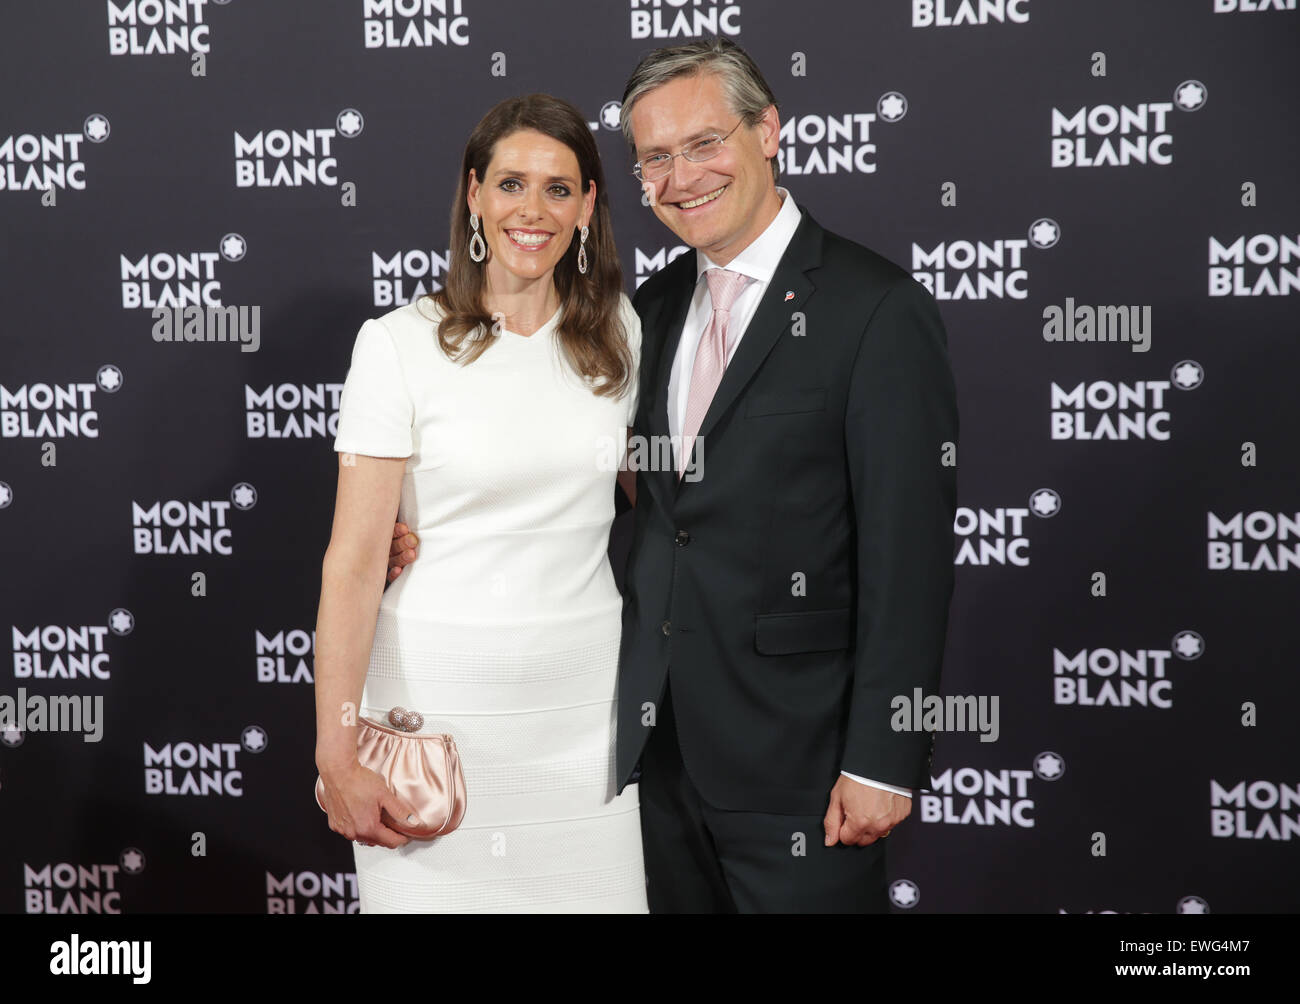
[591,333]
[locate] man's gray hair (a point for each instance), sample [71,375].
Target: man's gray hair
[747,92]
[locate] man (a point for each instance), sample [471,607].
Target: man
[793,574]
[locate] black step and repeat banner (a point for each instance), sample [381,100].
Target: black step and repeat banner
[1101,194]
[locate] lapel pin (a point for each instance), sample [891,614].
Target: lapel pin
[789,295]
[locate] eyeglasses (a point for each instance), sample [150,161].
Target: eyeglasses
[705,148]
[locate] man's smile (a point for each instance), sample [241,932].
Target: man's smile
[701,200]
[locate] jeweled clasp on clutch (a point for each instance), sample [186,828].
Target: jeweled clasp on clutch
[405,721]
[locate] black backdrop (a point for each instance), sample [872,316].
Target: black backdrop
[126,158]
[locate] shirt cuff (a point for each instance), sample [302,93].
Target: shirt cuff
[880,784]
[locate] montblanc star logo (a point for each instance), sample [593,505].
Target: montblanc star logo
[1188,645]
[109,378]
[1049,766]
[233,247]
[96,128]
[1187,375]
[349,123]
[892,106]
[1044,233]
[121,621]
[1045,503]
[904,893]
[1190,95]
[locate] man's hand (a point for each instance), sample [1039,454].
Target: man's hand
[406,546]
[860,814]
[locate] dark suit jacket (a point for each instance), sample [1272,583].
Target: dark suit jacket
[804,580]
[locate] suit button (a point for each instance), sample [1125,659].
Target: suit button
[683,538]
[666,627]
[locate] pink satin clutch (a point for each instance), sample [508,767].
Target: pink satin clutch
[423,768]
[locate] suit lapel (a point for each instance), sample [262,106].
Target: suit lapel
[770,320]
[668,333]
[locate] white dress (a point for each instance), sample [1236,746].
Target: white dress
[505,631]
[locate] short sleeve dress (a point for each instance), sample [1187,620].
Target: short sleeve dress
[505,631]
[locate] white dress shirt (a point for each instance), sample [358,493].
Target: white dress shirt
[758,261]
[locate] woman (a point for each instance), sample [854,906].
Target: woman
[476,415]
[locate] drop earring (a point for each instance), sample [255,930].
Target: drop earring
[582,252]
[477,248]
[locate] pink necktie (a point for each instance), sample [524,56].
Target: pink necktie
[710,357]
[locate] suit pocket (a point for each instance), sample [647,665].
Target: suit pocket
[814,631]
[786,402]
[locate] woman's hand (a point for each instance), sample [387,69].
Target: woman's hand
[404,549]
[356,798]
